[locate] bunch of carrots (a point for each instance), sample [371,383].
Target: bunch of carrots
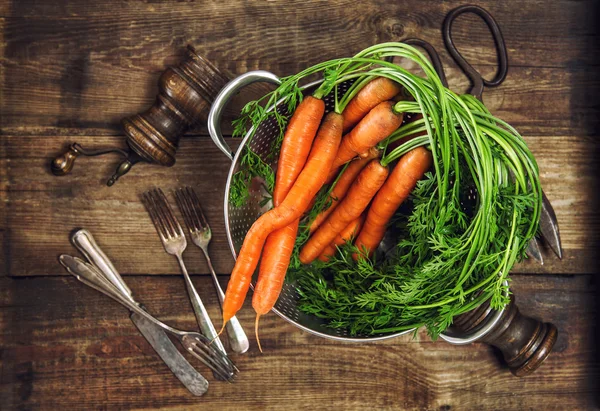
[341,177]
[342,149]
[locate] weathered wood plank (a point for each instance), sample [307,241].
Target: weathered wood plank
[66,345]
[3,169]
[249,30]
[2,42]
[90,97]
[42,208]
[70,71]
[42,216]
[82,75]
[3,200]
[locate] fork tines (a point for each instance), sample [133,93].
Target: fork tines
[161,214]
[189,204]
[213,358]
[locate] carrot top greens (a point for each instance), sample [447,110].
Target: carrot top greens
[449,253]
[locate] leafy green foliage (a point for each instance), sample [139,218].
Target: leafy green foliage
[251,116]
[251,166]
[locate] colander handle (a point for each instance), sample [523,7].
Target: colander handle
[230,90]
[524,341]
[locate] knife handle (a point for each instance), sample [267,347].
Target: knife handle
[84,241]
[92,277]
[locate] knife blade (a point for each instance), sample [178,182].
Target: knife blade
[166,350]
[549,226]
[156,336]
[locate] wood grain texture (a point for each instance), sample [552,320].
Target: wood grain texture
[42,209]
[537,101]
[84,67]
[68,346]
[346,22]
[71,70]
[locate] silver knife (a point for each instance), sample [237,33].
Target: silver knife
[156,337]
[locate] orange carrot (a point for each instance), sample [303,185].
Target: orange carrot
[295,148]
[403,179]
[371,153]
[368,182]
[378,124]
[409,118]
[308,183]
[273,266]
[328,252]
[277,254]
[297,141]
[347,235]
[376,91]
[343,184]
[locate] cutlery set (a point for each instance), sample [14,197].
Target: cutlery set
[99,273]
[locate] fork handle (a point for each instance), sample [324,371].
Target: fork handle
[206,326]
[238,340]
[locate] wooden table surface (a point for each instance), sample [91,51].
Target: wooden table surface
[70,70]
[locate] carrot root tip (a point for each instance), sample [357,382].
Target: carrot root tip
[220,332]
[256,332]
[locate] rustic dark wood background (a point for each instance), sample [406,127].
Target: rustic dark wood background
[70,70]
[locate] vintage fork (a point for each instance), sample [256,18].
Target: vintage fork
[173,240]
[201,234]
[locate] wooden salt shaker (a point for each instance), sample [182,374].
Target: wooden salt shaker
[185,95]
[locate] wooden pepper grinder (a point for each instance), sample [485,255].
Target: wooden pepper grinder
[185,95]
[524,341]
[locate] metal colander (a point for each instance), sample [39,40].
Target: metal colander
[238,220]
